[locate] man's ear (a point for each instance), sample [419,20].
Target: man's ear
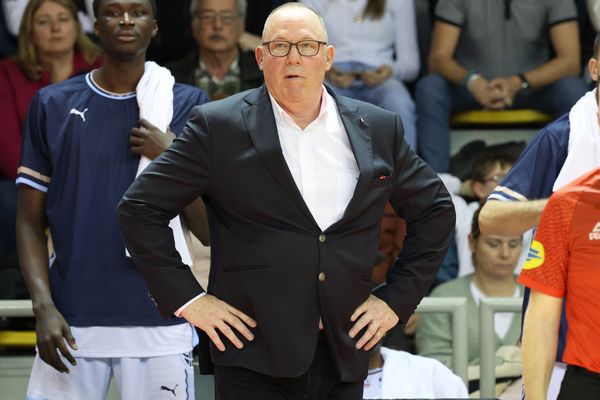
[259,53]
[593,68]
[154,28]
[329,53]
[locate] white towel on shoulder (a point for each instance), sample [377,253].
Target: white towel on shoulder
[154,94]
[584,141]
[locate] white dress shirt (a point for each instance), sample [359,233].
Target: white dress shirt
[320,159]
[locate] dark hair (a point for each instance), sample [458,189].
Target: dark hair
[486,163]
[374,9]
[596,45]
[96,7]
[475,232]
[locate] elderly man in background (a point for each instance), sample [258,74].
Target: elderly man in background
[218,65]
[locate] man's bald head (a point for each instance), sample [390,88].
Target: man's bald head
[286,7]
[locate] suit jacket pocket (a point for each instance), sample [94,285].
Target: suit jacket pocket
[245,267]
[381,181]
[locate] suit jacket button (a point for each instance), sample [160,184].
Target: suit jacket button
[322,238]
[321,276]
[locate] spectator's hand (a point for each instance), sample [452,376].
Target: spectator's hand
[148,140]
[488,97]
[377,76]
[52,333]
[378,316]
[411,325]
[210,313]
[338,78]
[508,87]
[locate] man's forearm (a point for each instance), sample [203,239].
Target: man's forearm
[552,71]
[448,68]
[510,218]
[33,258]
[540,338]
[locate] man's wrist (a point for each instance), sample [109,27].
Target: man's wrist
[525,86]
[471,81]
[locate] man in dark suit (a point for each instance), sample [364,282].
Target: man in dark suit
[295,181]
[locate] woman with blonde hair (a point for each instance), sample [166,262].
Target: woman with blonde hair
[52,47]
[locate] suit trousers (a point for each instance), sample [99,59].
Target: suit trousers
[320,382]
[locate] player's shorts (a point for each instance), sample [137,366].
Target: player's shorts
[152,378]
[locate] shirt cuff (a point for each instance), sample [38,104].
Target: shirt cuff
[183,307]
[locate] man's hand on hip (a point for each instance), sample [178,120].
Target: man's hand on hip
[210,313]
[378,316]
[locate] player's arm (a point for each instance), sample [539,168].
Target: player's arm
[51,327]
[510,218]
[540,338]
[149,141]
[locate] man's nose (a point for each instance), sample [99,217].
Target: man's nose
[294,56]
[217,22]
[127,20]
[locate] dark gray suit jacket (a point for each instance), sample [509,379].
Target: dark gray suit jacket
[267,250]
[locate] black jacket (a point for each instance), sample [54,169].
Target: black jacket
[267,250]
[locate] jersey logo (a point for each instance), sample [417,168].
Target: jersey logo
[169,389]
[535,257]
[595,233]
[80,113]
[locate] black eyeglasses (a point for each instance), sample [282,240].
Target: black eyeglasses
[306,48]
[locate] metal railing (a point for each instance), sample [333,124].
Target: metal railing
[487,337]
[457,306]
[16,308]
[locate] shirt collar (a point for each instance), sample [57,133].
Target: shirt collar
[326,103]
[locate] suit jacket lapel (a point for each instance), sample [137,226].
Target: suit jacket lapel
[262,129]
[359,134]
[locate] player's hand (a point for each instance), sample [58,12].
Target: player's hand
[52,333]
[377,76]
[339,78]
[211,314]
[147,140]
[378,316]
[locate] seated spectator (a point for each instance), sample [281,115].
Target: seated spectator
[51,48]
[13,11]
[218,65]
[397,374]
[489,54]
[487,173]
[495,259]
[376,51]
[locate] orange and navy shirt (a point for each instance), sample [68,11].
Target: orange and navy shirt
[564,261]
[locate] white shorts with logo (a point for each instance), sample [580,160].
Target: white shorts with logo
[151,378]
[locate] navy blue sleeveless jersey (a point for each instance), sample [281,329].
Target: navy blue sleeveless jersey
[532,177]
[76,149]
